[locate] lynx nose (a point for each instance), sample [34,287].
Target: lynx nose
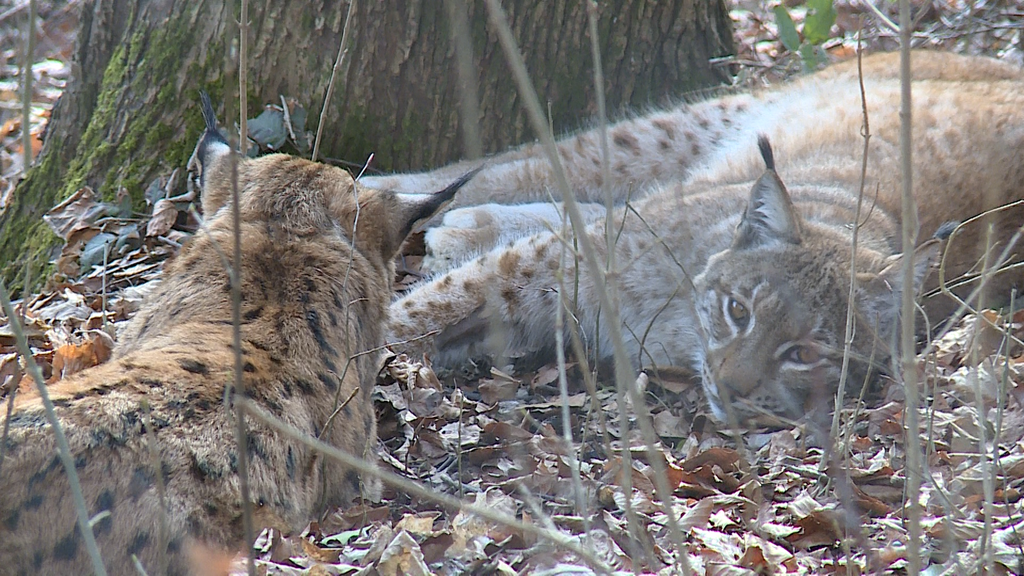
[733,374]
[738,388]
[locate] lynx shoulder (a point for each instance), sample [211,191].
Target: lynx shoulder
[734,264]
[315,286]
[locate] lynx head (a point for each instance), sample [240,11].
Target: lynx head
[772,308]
[306,198]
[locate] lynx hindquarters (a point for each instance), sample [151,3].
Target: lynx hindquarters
[316,284]
[726,272]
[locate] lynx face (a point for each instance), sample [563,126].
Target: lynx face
[766,353]
[763,321]
[772,309]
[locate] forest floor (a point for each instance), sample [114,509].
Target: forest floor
[768,505]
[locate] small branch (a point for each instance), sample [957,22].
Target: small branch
[609,230]
[334,73]
[909,365]
[161,489]
[287,118]
[851,294]
[243,78]
[26,97]
[63,450]
[236,289]
[988,487]
[14,381]
[881,16]
[417,491]
[598,276]
[563,392]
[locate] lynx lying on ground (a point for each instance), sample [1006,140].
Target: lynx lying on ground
[722,269]
[313,313]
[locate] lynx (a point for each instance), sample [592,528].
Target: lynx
[722,269]
[316,263]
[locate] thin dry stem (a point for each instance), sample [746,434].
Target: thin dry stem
[563,389]
[609,228]
[850,325]
[243,78]
[415,490]
[988,488]
[909,365]
[161,488]
[338,61]
[236,290]
[986,272]
[26,97]
[63,450]
[14,381]
[606,297]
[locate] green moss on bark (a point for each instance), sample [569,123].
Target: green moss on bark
[119,148]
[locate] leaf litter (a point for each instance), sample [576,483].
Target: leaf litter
[770,507]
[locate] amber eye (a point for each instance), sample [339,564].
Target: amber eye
[803,355]
[738,312]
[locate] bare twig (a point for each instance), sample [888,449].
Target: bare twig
[13,11]
[980,408]
[14,381]
[236,290]
[243,78]
[415,490]
[881,16]
[599,279]
[850,327]
[563,389]
[609,227]
[287,118]
[161,488]
[909,365]
[63,450]
[26,97]
[338,61]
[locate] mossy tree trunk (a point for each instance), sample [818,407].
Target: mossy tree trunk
[130,112]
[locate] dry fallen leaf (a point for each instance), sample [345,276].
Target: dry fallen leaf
[164,215]
[72,358]
[402,556]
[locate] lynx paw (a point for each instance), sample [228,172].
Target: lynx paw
[463,234]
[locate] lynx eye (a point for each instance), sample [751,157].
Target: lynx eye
[802,355]
[738,312]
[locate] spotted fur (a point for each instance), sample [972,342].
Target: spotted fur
[316,271]
[722,268]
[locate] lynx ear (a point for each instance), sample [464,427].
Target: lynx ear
[209,166]
[418,208]
[403,213]
[770,216]
[879,295]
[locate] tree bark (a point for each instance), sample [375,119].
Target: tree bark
[130,112]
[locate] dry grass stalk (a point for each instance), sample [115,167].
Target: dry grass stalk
[84,525]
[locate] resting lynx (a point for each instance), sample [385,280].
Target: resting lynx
[313,311]
[723,269]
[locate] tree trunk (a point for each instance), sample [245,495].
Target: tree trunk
[130,112]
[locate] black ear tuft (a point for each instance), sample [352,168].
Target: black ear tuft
[209,116]
[211,134]
[208,160]
[945,230]
[426,206]
[770,216]
[766,151]
[446,195]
